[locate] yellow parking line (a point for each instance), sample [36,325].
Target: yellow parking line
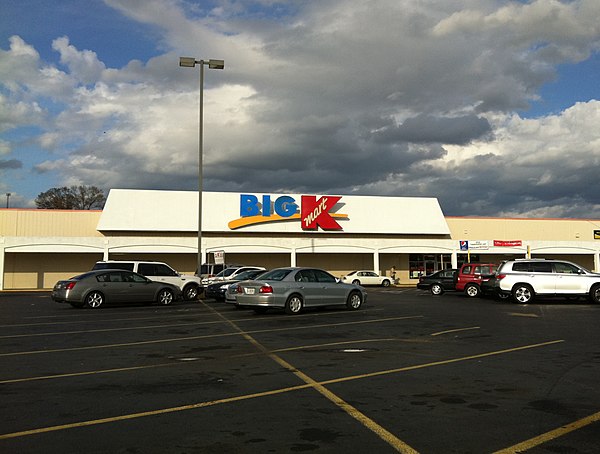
[264,393]
[179,363]
[519,314]
[89,372]
[385,435]
[563,430]
[454,330]
[206,336]
[143,414]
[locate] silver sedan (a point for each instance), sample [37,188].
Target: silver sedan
[293,289]
[95,288]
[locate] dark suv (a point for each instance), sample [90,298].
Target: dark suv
[470,276]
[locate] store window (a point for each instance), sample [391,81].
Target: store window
[423,264]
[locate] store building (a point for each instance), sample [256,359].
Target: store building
[407,236]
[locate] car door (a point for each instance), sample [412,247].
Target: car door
[446,278]
[331,292]
[370,278]
[569,279]
[116,288]
[542,277]
[309,287]
[141,288]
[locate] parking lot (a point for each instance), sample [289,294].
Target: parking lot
[409,372]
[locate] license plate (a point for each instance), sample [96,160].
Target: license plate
[249,291]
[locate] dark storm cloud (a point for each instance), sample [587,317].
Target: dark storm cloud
[429,129]
[10,164]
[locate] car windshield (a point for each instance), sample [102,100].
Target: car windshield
[227,272]
[249,274]
[275,275]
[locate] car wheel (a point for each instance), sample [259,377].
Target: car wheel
[436,289]
[94,300]
[522,293]
[472,290]
[165,297]
[354,301]
[356,282]
[386,283]
[191,292]
[595,294]
[293,305]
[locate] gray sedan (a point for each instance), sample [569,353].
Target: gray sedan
[293,289]
[95,288]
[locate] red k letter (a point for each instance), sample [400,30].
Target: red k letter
[315,213]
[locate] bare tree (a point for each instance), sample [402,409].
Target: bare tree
[73,198]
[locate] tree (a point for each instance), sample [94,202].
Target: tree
[73,198]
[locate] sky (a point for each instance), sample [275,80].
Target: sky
[490,106]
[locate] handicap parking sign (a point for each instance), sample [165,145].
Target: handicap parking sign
[464,245]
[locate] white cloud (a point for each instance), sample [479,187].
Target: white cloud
[389,97]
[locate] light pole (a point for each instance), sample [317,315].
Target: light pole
[8,194]
[190,62]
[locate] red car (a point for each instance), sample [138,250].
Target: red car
[471,275]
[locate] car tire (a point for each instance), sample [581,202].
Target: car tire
[191,292]
[436,289]
[386,283]
[356,282]
[94,299]
[294,304]
[523,293]
[354,301]
[472,290]
[595,294]
[165,297]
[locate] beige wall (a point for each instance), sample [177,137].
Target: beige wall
[41,270]
[522,229]
[28,238]
[49,223]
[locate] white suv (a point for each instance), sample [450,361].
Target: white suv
[157,271]
[526,278]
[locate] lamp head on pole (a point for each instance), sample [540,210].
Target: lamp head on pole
[216,64]
[188,62]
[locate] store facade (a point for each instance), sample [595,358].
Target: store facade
[405,236]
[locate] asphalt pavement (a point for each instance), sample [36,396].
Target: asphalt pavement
[409,372]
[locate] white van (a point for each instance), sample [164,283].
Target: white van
[190,286]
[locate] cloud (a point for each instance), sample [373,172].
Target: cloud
[350,97]
[10,164]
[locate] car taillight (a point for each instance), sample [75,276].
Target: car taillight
[236,289]
[70,285]
[266,289]
[500,276]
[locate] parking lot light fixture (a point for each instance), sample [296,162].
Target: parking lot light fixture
[190,62]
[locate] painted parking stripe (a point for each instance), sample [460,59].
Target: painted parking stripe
[263,394]
[207,336]
[548,436]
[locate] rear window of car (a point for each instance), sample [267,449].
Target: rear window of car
[275,275]
[155,269]
[533,267]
